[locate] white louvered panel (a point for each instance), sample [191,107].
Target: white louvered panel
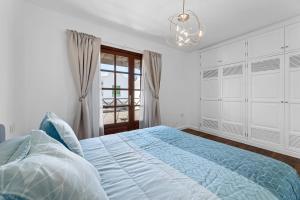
[210,74]
[235,70]
[266,65]
[295,61]
[266,135]
[294,141]
[232,128]
[212,124]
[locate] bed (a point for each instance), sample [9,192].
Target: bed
[164,163]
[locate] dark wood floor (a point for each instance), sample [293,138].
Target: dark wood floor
[294,162]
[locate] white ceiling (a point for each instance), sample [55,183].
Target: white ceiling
[222,19]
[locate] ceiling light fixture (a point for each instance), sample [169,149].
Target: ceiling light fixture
[185,28]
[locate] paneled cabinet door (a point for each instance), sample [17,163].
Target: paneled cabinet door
[292,101]
[210,58]
[292,37]
[232,53]
[269,43]
[233,100]
[266,105]
[210,99]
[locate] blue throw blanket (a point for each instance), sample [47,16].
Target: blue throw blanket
[164,163]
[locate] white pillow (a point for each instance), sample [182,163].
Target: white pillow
[50,172]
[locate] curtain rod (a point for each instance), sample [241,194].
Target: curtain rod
[122,47]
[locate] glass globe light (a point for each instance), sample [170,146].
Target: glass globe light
[185,28]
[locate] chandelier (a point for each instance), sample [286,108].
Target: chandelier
[185,28]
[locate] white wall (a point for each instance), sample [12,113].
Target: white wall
[8,10]
[44,81]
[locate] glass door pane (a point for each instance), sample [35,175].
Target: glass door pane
[122,80]
[122,64]
[107,62]
[122,98]
[122,114]
[108,116]
[137,66]
[136,113]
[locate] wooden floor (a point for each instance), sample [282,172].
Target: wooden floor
[294,162]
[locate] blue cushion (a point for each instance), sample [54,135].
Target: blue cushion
[48,127]
[61,131]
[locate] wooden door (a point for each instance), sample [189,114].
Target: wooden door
[121,89]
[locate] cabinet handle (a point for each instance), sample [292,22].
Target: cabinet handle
[219,61]
[281,101]
[287,46]
[286,102]
[281,47]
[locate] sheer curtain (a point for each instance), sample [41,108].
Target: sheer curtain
[95,104]
[150,110]
[84,51]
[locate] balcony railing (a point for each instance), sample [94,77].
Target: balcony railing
[109,102]
[121,109]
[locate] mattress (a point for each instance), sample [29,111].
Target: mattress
[164,163]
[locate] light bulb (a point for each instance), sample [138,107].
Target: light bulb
[200,33]
[180,38]
[186,34]
[177,28]
[187,40]
[180,44]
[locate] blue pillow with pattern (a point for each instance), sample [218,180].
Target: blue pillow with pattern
[61,131]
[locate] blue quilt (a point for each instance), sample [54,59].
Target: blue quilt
[164,163]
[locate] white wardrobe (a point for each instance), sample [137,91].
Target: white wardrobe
[250,90]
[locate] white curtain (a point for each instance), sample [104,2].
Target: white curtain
[150,110]
[84,51]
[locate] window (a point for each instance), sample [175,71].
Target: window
[121,89]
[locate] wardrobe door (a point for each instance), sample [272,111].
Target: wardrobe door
[292,101]
[266,105]
[292,37]
[269,43]
[210,99]
[233,100]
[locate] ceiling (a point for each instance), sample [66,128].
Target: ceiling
[222,19]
